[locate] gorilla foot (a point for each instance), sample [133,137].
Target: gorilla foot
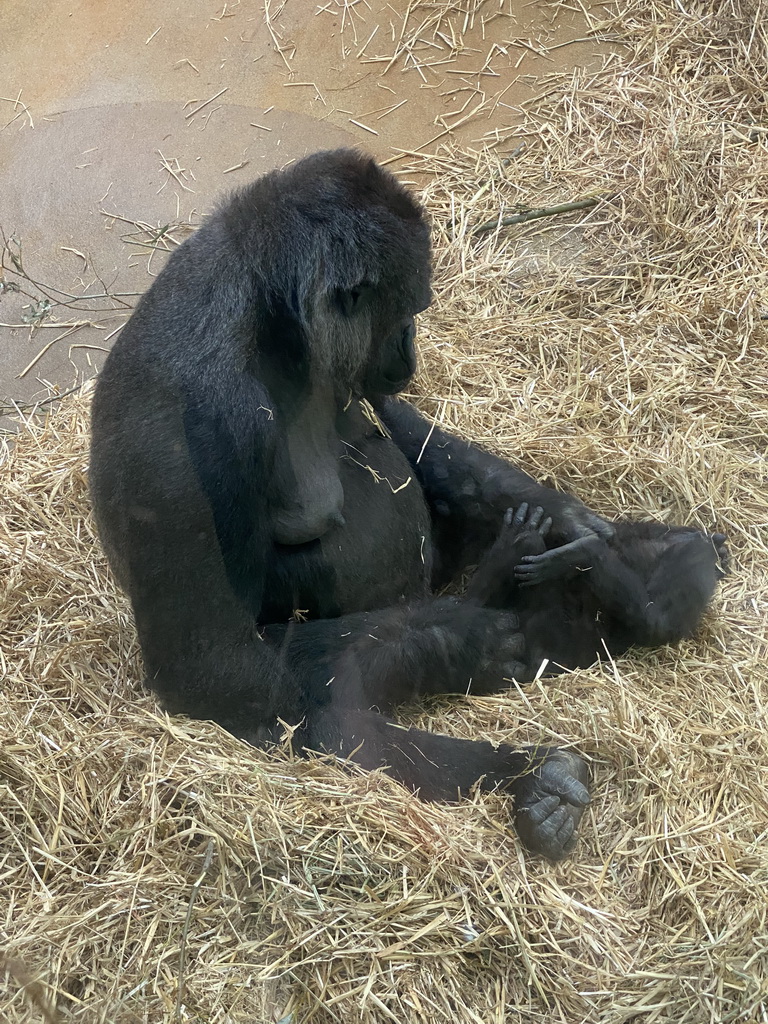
[549,803]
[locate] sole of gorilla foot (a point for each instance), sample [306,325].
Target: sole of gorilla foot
[549,803]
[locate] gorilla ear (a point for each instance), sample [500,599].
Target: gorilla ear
[352,301]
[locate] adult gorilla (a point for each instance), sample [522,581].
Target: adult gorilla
[242,481]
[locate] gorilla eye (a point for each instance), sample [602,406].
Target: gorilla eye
[352,301]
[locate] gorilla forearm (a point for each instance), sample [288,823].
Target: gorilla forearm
[245,687]
[457,477]
[469,490]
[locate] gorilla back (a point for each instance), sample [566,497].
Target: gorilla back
[250,470]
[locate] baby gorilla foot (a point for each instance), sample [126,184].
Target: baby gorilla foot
[550,800]
[522,534]
[526,528]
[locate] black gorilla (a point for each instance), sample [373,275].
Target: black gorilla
[250,471]
[649,584]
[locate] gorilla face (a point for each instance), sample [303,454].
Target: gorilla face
[391,361]
[397,363]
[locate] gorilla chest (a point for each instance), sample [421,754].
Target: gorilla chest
[379,557]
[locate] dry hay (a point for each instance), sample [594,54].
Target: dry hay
[156,870]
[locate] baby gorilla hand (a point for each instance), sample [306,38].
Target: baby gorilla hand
[550,800]
[572,520]
[720,542]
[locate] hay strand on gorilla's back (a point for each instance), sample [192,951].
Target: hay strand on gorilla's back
[620,353]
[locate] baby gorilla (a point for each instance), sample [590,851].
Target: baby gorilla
[648,585]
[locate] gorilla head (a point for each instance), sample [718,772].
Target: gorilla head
[342,250]
[342,254]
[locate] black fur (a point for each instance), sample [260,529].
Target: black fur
[250,470]
[649,584]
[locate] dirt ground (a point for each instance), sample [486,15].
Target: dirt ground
[144,112]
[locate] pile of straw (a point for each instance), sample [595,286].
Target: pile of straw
[156,870]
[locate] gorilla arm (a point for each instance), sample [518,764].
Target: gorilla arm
[469,490]
[202,651]
[389,656]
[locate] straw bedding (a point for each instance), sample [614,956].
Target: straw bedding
[153,869]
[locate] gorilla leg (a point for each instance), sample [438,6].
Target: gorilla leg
[549,785]
[385,658]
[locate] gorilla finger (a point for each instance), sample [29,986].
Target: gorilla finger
[568,847]
[541,810]
[601,526]
[535,517]
[576,793]
[521,514]
[546,526]
[528,573]
[552,555]
[559,781]
[721,547]
[552,823]
[719,539]
[508,663]
[513,671]
[566,830]
[508,517]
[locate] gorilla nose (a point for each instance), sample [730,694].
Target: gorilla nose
[303,527]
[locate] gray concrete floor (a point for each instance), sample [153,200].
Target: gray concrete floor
[120,122]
